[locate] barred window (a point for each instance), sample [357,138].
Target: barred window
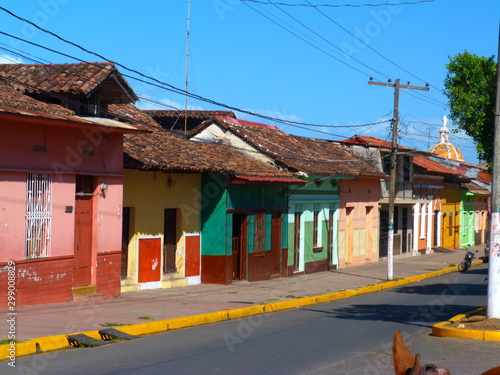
[38,215]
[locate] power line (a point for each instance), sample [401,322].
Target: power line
[339,5]
[306,41]
[371,48]
[333,45]
[428,100]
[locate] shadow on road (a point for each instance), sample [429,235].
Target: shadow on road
[407,314]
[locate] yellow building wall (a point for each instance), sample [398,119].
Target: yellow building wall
[450,222]
[148,194]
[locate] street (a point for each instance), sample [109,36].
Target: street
[352,336]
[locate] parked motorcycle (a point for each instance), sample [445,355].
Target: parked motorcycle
[467,262]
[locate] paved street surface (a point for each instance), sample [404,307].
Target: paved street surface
[349,336]
[138,307]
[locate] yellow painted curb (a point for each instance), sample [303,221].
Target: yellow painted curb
[369,289]
[246,311]
[47,344]
[492,335]
[442,330]
[144,328]
[21,349]
[324,298]
[5,351]
[290,304]
[195,320]
[393,284]
[457,317]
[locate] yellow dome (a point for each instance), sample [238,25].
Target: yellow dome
[447,151]
[444,148]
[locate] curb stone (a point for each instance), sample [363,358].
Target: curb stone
[442,330]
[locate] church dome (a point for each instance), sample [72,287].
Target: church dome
[444,148]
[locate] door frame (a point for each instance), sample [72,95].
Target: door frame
[276,242]
[239,237]
[87,256]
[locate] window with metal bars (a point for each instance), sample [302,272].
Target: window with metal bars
[38,215]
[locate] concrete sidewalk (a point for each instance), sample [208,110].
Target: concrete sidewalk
[133,308]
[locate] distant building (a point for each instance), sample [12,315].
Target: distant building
[444,148]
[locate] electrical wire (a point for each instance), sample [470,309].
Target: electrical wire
[370,47]
[306,41]
[340,5]
[428,100]
[326,40]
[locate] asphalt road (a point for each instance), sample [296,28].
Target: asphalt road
[351,336]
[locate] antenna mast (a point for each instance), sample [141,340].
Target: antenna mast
[187,67]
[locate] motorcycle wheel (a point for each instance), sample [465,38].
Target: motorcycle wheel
[463,266]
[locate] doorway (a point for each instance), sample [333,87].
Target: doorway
[276,223]
[83,241]
[239,255]
[170,240]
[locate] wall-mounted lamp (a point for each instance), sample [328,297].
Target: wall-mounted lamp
[104,187]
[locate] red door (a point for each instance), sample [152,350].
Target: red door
[149,259]
[83,241]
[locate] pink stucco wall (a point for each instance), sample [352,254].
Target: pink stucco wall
[72,151]
[78,150]
[358,195]
[109,214]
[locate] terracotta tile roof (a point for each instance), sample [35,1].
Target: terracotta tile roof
[10,97]
[431,167]
[12,102]
[160,150]
[81,78]
[180,122]
[133,115]
[484,177]
[475,188]
[308,155]
[364,140]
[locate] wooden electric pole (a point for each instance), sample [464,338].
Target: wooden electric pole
[394,167]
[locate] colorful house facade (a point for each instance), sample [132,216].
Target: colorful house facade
[61,183]
[316,241]
[377,153]
[198,213]
[470,220]
[434,216]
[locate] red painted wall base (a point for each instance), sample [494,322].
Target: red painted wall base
[50,280]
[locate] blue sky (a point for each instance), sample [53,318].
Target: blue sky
[298,63]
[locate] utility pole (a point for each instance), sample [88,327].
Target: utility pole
[494,261]
[394,167]
[188,35]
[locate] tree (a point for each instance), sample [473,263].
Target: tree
[470,86]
